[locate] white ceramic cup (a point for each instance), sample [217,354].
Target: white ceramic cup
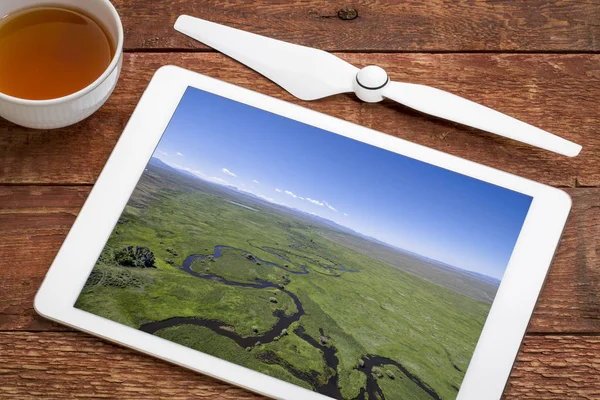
[68,110]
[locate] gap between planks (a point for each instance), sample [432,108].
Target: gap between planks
[184,50]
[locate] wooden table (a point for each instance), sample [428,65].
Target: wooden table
[537,60]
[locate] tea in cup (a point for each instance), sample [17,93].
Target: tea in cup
[59,60]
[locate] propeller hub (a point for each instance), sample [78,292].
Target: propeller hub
[370,82]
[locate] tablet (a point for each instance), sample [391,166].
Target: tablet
[301,256]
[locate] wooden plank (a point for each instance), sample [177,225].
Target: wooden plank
[69,364]
[33,224]
[570,300]
[556,367]
[73,365]
[410,25]
[41,199]
[30,240]
[559,93]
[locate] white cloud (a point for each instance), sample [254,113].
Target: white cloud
[193,171]
[278,190]
[266,198]
[322,204]
[345,215]
[179,154]
[228,172]
[301,198]
[290,194]
[255,181]
[164,153]
[218,180]
[330,206]
[317,202]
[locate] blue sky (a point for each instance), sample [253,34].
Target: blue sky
[427,210]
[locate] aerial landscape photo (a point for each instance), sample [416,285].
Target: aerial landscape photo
[336,266]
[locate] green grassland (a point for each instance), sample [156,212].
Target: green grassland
[400,384]
[377,309]
[171,293]
[200,338]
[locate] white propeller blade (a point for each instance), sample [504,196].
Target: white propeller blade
[311,74]
[448,106]
[307,73]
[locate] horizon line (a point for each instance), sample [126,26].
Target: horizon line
[228,185]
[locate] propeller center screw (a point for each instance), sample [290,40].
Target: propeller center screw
[370,82]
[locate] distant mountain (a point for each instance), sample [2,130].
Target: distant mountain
[350,231]
[159,163]
[235,192]
[444,265]
[487,278]
[160,175]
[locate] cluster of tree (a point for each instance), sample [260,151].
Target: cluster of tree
[135,256]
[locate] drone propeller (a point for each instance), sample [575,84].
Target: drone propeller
[312,74]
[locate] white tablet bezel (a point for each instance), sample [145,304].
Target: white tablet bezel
[504,329]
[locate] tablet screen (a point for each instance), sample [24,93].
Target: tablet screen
[308,256]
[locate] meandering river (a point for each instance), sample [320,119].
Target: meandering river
[330,388]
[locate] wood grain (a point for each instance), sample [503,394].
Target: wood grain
[34,222]
[559,93]
[456,45]
[556,367]
[60,365]
[74,365]
[410,25]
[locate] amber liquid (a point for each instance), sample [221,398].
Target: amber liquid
[51,52]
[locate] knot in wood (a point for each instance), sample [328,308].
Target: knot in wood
[347,13]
